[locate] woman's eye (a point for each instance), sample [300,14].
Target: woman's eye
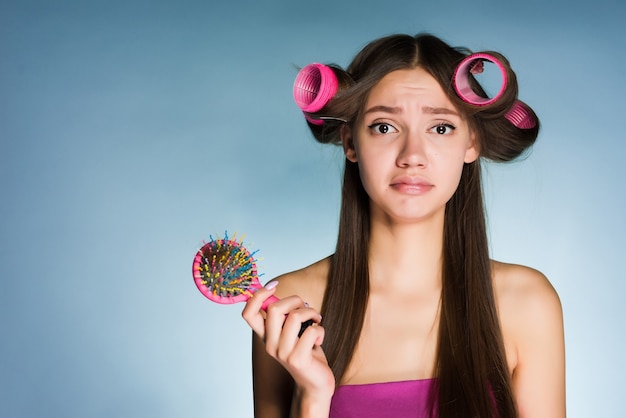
[382,128]
[443,129]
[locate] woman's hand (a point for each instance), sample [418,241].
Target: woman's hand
[302,356]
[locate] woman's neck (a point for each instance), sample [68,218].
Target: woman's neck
[406,257]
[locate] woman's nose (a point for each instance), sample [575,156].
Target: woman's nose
[412,151]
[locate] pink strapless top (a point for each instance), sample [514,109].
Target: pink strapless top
[381,400]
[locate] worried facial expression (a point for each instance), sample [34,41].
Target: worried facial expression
[410,145]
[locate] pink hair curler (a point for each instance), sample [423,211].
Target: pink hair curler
[314,86]
[473,63]
[519,114]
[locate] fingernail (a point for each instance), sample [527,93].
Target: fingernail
[271,285]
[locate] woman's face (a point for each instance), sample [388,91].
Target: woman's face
[410,145]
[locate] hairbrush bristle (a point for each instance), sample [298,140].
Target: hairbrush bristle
[226,269]
[225,272]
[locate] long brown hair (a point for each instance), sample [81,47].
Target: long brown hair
[472,378]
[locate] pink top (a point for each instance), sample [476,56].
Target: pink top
[381,400]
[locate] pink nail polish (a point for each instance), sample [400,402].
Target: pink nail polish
[271,285]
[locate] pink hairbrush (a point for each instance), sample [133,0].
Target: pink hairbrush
[519,114]
[224,271]
[314,86]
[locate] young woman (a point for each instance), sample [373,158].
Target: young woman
[411,317]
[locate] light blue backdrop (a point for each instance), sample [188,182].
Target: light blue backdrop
[131,130]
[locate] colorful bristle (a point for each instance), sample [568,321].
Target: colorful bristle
[225,272]
[225,269]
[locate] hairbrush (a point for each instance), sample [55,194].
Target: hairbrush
[519,114]
[224,271]
[314,86]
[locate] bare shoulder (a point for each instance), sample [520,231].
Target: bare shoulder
[532,327]
[523,290]
[530,312]
[309,283]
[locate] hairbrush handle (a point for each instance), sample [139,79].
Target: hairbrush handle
[519,114]
[268,302]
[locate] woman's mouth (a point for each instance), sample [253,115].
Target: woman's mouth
[411,185]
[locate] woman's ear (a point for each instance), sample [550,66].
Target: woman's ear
[348,143]
[473,150]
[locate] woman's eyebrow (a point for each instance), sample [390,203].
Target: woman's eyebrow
[385,109]
[426,109]
[439,111]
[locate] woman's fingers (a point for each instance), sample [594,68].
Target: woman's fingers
[298,350]
[313,337]
[282,329]
[252,311]
[291,330]
[269,326]
[308,365]
[277,315]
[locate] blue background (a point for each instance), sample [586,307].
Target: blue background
[131,130]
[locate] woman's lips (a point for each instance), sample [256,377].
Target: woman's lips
[411,185]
